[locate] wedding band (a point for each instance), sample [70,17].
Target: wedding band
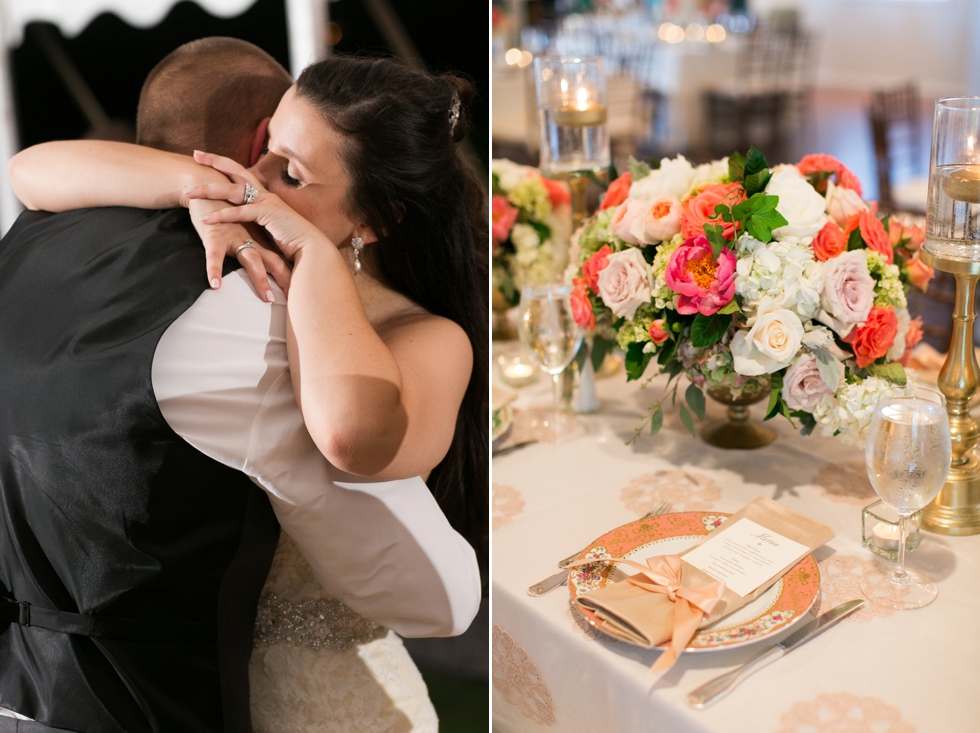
[250,193]
[249,244]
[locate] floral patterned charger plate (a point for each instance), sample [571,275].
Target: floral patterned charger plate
[783,605]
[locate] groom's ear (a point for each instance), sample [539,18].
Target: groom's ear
[258,141]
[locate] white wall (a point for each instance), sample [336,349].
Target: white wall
[869,44]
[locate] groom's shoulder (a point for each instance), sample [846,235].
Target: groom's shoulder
[111,221]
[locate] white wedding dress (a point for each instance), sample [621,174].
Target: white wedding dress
[317,667]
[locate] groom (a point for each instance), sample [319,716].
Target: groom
[139,414]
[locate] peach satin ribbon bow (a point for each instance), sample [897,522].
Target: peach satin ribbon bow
[662,574]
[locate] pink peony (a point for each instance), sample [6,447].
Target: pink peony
[829,242]
[504,216]
[657,332]
[623,218]
[700,210]
[705,285]
[618,191]
[822,163]
[919,274]
[594,265]
[872,340]
[581,305]
[660,220]
[803,387]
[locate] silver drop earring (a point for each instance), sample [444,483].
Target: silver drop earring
[358,244]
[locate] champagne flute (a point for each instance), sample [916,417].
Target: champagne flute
[549,331]
[908,457]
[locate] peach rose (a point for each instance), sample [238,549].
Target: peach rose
[660,221]
[822,163]
[623,218]
[618,191]
[558,192]
[919,274]
[594,265]
[872,232]
[912,337]
[829,242]
[700,210]
[873,340]
[504,215]
[581,305]
[657,332]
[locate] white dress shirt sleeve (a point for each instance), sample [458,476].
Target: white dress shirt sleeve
[385,549]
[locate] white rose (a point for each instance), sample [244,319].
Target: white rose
[524,237]
[624,284]
[799,203]
[842,203]
[673,176]
[509,174]
[770,344]
[803,386]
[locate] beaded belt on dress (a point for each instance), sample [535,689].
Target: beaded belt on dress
[316,623]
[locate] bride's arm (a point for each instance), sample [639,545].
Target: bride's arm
[77,174]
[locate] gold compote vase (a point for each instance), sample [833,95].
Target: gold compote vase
[739,432]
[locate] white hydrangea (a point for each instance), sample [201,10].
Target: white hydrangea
[525,238]
[663,296]
[704,175]
[785,272]
[509,174]
[888,284]
[848,413]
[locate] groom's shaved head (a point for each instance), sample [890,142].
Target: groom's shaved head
[211,95]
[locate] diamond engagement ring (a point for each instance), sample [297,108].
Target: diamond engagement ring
[250,193]
[249,244]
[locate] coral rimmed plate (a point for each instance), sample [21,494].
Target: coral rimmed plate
[781,606]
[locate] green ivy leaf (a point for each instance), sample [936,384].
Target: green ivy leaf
[656,421]
[708,330]
[755,161]
[762,216]
[723,211]
[732,307]
[775,387]
[736,166]
[636,361]
[716,236]
[757,182]
[687,420]
[854,241]
[613,175]
[893,372]
[543,230]
[590,174]
[695,400]
[638,169]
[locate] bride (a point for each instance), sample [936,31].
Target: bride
[362,188]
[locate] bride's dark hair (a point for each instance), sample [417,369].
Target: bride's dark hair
[410,185]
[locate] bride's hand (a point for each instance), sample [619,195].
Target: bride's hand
[226,240]
[290,231]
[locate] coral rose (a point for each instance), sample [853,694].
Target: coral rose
[618,191]
[700,210]
[705,285]
[874,235]
[661,220]
[558,192]
[912,337]
[919,274]
[829,242]
[594,265]
[504,216]
[658,334]
[822,163]
[581,305]
[872,340]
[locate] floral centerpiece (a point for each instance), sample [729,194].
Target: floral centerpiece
[531,228]
[737,275]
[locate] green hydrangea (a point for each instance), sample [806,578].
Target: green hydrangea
[597,233]
[663,296]
[637,329]
[888,283]
[531,196]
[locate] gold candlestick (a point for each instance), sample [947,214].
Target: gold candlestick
[956,510]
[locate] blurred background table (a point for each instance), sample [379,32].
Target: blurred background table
[878,671]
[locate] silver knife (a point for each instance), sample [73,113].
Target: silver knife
[717,688]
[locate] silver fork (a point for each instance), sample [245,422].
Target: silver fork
[561,577]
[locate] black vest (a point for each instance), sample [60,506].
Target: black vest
[130,562]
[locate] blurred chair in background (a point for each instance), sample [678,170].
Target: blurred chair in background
[896,130]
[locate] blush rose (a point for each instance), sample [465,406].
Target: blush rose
[803,387]
[624,284]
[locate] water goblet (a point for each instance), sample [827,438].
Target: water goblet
[549,331]
[908,457]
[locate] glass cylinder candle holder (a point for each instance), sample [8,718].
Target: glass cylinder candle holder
[517,367]
[953,211]
[571,96]
[879,530]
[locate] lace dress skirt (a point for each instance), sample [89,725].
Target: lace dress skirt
[317,667]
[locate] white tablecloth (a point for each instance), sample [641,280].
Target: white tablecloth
[877,671]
